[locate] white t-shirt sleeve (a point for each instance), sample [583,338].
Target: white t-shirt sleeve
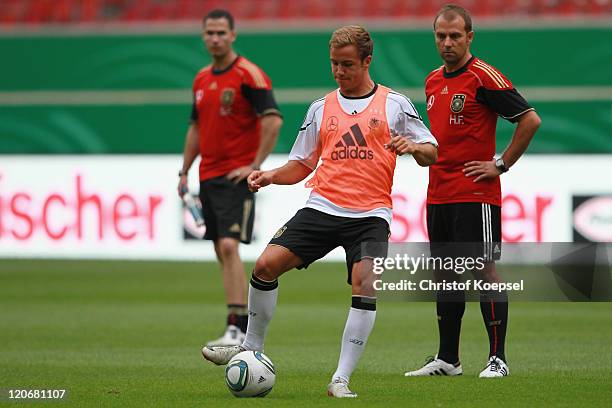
[405,120]
[305,148]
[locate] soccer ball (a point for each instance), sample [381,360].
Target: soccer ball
[250,374]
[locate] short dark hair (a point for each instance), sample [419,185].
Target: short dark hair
[450,11]
[220,13]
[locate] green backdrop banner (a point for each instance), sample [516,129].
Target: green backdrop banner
[568,128]
[44,109]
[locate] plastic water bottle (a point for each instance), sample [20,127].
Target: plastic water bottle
[193,207]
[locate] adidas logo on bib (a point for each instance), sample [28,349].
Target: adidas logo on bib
[352,146]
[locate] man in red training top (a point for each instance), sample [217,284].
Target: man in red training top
[234,126]
[464,98]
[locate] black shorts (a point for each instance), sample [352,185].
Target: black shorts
[312,234]
[228,209]
[477,226]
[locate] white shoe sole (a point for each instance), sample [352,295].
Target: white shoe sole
[330,394]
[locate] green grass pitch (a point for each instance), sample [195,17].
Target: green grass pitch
[129,334]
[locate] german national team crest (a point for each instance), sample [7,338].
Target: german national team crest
[457,103]
[227,96]
[373,123]
[227,99]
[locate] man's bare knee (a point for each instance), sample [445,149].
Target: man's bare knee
[227,248]
[265,268]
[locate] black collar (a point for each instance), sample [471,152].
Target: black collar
[459,71]
[372,92]
[224,70]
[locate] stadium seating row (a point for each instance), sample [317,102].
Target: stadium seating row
[88,11]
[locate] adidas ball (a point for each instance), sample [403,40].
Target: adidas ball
[250,374]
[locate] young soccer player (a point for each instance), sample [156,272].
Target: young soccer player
[356,131]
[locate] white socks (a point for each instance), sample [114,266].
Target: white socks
[359,325]
[262,304]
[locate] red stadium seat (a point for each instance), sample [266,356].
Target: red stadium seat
[63,10]
[12,12]
[90,10]
[289,9]
[77,11]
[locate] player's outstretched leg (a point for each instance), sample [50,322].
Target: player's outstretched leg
[263,293]
[263,296]
[262,303]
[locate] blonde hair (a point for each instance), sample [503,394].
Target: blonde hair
[353,35]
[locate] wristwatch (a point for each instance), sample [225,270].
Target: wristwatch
[182,173]
[501,166]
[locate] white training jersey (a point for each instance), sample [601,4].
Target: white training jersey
[402,117]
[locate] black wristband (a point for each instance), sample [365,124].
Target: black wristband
[183,173]
[501,166]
